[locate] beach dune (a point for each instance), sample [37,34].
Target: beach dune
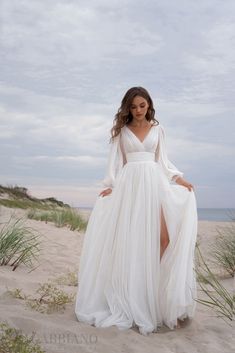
[60,331]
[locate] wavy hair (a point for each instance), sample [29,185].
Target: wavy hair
[124,115]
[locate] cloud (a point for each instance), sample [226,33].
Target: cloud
[215,59]
[66,65]
[83,160]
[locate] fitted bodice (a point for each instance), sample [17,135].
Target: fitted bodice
[131,143]
[127,142]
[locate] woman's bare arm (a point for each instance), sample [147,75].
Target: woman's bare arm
[179,180]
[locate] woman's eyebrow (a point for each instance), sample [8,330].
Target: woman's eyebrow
[133,105]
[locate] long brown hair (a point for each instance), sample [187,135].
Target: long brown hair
[124,115]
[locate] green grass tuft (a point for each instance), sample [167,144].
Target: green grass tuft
[14,341]
[19,244]
[68,279]
[61,218]
[223,251]
[218,297]
[48,298]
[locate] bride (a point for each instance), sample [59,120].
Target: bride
[137,261]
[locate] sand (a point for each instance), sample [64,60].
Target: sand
[61,332]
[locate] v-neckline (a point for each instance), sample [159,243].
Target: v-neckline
[142,142]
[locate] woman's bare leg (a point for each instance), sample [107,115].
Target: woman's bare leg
[164,236]
[164,243]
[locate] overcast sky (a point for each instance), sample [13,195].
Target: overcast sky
[65,66]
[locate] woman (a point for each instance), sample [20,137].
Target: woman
[136,266]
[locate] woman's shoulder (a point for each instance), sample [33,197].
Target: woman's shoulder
[161,130]
[156,123]
[158,126]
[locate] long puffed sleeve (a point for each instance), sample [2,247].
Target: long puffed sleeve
[115,162]
[161,156]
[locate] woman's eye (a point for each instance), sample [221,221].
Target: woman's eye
[141,106]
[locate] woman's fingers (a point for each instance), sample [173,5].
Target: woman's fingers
[190,187]
[105,192]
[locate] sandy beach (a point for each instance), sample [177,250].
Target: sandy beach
[61,332]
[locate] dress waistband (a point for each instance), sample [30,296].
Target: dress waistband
[140,156]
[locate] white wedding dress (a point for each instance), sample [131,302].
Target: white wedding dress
[121,280]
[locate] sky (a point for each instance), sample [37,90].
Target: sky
[65,66]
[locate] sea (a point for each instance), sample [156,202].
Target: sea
[216,214]
[207,214]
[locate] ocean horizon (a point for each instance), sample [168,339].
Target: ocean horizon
[205,214]
[216,214]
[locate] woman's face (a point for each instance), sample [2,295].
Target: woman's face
[139,108]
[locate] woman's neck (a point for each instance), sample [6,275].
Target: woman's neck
[141,124]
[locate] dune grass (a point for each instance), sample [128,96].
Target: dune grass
[48,209]
[51,299]
[12,340]
[61,218]
[19,244]
[68,279]
[218,297]
[15,191]
[24,204]
[19,197]
[223,250]
[47,299]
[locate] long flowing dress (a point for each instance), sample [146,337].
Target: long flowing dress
[122,280]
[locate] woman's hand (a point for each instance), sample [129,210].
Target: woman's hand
[105,192]
[185,183]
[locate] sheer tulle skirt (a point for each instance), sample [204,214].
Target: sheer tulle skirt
[122,280]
